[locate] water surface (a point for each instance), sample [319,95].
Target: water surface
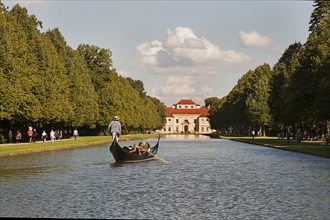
[205,179]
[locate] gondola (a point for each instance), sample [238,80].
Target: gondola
[122,155]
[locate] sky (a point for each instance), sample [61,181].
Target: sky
[180,49]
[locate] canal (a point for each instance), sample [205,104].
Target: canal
[205,179]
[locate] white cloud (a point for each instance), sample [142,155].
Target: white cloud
[254,40]
[177,87]
[184,53]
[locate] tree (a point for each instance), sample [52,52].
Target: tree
[280,99]
[45,83]
[82,95]
[138,86]
[257,100]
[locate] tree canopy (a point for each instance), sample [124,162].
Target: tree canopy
[49,85]
[294,93]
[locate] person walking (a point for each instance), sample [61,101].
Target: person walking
[115,128]
[299,136]
[18,136]
[288,136]
[34,135]
[75,133]
[253,133]
[44,136]
[30,133]
[52,136]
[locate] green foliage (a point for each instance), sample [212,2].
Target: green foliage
[246,105]
[138,86]
[44,82]
[281,90]
[294,93]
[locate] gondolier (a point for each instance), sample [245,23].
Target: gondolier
[115,128]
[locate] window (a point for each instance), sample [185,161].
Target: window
[177,120]
[186,106]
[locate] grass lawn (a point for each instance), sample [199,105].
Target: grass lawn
[24,148]
[318,148]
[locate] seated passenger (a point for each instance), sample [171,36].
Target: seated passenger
[144,146]
[135,149]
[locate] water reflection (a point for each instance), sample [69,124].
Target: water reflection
[205,179]
[186,136]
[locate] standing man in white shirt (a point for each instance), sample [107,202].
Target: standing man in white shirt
[115,128]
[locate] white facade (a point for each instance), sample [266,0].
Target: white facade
[186,117]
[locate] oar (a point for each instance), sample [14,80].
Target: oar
[158,157]
[165,161]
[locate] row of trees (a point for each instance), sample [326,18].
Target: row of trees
[47,84]
[294,93]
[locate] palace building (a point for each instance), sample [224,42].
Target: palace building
[187,117]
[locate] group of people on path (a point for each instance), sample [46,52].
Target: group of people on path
[32,135]
[288,135]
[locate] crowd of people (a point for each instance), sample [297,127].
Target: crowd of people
[300,136]
[32,135]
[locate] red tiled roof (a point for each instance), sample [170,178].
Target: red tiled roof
[186,102]
[203,111]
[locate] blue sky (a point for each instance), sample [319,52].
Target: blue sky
[180,49]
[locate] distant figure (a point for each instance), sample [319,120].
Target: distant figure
[30,133]
[288,136]
[10,136]
[75,133]
[327,137]
[52,136]
[305,135]
[253,133]
[18,136]
[115,128]
[299,136]
[34,135]
[44,136]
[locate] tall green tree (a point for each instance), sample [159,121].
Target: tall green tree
[83,98]
[313,75]
[99,62]
[281,96]
[258,110]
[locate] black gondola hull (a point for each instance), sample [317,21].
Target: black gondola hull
[121,155]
